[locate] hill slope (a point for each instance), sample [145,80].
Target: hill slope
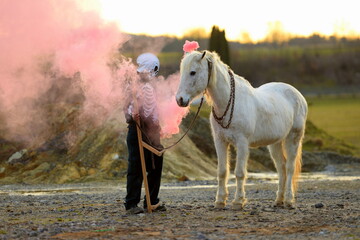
[100,154]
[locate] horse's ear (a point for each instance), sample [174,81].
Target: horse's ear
[203,55]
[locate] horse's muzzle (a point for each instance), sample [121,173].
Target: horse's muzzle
[181,102]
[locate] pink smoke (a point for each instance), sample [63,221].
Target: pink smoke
[88,50]
[43,40]
[33,33]
[22,46]
[170,114]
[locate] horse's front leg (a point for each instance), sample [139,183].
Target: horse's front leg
[240,174]
[222,172]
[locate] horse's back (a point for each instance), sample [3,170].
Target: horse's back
[286,96]
[284,90]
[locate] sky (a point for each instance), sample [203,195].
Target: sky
[165,17]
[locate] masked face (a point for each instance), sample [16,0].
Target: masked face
[148,63]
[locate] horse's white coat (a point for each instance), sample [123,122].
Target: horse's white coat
[272,115]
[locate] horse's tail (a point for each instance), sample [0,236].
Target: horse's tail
[297,170]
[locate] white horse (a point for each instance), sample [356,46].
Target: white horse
[273,114]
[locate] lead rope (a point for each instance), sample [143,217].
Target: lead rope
[190,126]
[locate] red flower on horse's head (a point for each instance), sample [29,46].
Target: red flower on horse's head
[190,46]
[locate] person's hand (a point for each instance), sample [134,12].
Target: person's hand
[136,116]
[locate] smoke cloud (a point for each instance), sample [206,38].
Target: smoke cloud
[54,55]
[170,114]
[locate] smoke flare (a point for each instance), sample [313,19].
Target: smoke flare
[54,54]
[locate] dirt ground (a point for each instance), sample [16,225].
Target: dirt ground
[328,207]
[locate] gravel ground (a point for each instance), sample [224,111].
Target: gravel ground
[328,207]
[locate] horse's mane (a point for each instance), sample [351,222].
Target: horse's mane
[224,68]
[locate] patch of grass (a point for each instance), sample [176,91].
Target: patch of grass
[205,109]
[338,116]
[317,139]
[170,58]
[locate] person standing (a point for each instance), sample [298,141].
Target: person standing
[148,68]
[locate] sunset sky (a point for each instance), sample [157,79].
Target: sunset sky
[305,17]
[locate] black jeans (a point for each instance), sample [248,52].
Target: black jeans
[134,173]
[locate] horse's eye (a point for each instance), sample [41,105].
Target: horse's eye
[192,73]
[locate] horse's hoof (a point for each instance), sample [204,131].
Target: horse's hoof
[278,204]
[219,205]
[289,205]
[237,206]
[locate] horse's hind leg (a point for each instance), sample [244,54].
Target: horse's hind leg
[277,155]
[242,151]
[222,172]
[293,165]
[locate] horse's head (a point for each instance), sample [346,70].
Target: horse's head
[194,77]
